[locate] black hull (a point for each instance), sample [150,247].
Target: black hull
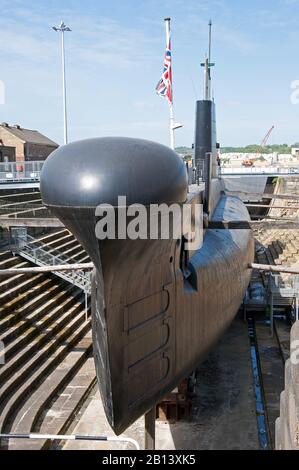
[153,320]
[157,326]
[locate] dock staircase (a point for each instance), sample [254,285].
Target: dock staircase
[54,249]
[48,371]
[281,247]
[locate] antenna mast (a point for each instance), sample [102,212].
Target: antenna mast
[207,65]
[210,40]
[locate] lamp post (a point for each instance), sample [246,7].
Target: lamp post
[63,28]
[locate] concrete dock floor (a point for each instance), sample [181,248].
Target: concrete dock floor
[223,411]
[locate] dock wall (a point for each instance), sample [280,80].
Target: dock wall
[287,425]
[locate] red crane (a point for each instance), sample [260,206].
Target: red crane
[267,137]
[250,162]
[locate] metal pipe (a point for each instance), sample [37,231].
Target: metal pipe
[256,224]
[269,217]
[208,176]
[271,308]
[29,222]
[63,28]
[63,437]
[64,88]
[273,269]
[272,207]
[171,112]
[263,431]
[281,196]
[47,269]
[210,41]
[150,429]
[285,197]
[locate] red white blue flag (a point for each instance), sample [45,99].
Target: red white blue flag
[164,87]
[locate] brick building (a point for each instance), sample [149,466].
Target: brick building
[18,144]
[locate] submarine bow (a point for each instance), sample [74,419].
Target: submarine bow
[156,310]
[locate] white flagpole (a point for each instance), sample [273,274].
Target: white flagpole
[171,114]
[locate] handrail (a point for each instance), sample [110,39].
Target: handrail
[274,269]
[262,171]
[20,171]
[47,269]
[71,437]
[33,250]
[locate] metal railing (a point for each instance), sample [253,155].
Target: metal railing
[272,171]
[20,171]
[71,437]
[288,288]
[196,173]
[285,290]
[33,250]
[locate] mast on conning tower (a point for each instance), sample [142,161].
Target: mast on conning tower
[207,65]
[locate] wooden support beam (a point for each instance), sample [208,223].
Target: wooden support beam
[47,269]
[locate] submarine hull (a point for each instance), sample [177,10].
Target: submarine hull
[156,310]
[158,325]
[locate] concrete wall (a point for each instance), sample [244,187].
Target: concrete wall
[217,187]
[287,425]
[248,188]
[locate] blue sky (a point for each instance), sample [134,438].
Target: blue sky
[114,60]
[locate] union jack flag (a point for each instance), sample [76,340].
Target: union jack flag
[164,87]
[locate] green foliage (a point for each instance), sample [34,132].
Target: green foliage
[184,150]
[253,148]
[284,148]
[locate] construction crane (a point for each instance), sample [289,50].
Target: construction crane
[264,142]
[267,137]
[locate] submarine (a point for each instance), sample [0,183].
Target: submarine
[157,308]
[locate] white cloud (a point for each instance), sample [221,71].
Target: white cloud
[104,41]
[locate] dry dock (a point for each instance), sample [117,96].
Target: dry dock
[223,405]
[44,326]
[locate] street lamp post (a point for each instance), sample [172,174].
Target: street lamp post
[63,28]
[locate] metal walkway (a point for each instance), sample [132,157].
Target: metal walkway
[15,174]
[20,172]
[260,171]
[35,251]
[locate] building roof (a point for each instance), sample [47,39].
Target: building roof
[28,135]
